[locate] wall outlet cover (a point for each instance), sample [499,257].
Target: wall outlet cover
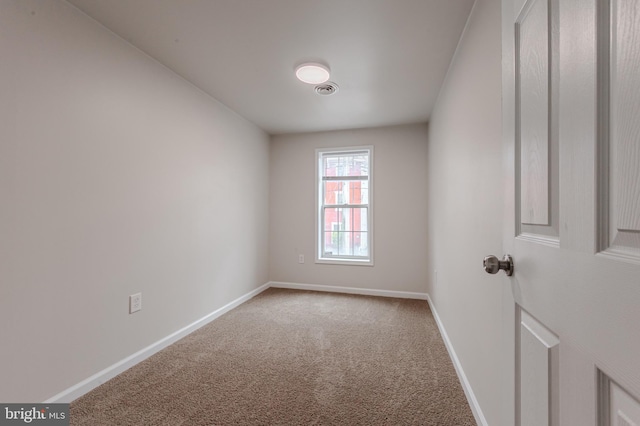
[135,302]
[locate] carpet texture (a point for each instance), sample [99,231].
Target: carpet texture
[289,357]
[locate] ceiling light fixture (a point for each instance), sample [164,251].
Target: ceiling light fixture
[312,73]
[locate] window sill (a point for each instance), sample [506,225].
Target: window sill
[348,262]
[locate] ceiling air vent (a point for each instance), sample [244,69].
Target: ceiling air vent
[328,88]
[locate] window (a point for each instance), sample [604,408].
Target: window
[344,210]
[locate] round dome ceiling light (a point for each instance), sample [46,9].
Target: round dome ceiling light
[312,73]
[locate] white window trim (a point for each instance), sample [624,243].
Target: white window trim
[318,193]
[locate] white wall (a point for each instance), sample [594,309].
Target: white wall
[400,209]
[116,176]
[466,204]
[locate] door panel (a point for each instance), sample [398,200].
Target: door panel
[624,149]
[532,74]
[539,362]
[624,410]
[537,178]
[571,309]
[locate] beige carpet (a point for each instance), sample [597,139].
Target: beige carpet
[291,357]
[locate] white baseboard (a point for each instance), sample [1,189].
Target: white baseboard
[466,386]
[110,372]
[350,290]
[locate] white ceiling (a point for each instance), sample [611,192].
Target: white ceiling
[389,57]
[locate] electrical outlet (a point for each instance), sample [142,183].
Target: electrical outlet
[301,258]
[135,302]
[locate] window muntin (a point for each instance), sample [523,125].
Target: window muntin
[344,205]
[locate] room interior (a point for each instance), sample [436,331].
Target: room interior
[125,168]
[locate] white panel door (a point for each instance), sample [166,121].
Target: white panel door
[571,128]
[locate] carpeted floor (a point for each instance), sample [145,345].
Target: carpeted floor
[290,357]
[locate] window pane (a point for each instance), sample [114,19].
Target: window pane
[346,192]
[360,244]
[330,243]
[345,245]
[345,165]
[357,165]
[345,219]
[358,220]
[335,220]
[358,192]
[330,165]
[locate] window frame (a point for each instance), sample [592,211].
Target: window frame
[319,208]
